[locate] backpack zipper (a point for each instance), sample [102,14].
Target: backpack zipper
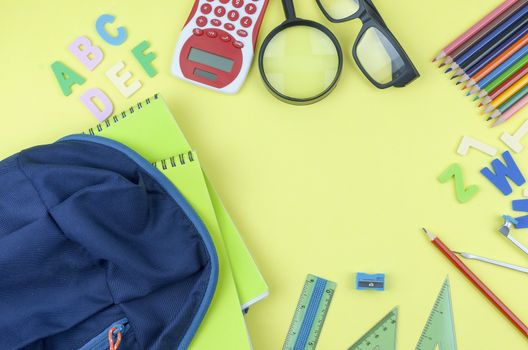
[100,341]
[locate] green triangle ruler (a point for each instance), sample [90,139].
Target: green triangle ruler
[439,330]
[380,337]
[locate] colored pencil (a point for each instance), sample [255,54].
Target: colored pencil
[494,59]
[474,29]
[492,80]
[493,35]
[517,55]
[511,112]
[489,48]
[478,283]
[509,103]
[482,33]
[506,84]
[521,83]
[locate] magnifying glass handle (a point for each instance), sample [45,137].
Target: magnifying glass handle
[289,10]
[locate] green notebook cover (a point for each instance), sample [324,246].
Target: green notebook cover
[250,283]
[184,172]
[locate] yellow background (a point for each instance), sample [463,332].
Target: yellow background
[331,189]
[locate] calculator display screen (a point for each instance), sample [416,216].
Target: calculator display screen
[210,59]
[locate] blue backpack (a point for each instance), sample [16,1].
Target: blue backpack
[97,248]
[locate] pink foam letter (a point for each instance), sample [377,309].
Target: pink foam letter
[89,54]
[107,106]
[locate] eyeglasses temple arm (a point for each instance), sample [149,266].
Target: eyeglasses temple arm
[289,10]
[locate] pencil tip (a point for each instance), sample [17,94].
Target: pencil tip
[489,118]
[448,70]
[429,234]
[441,65]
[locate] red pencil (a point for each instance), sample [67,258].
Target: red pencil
[478,283]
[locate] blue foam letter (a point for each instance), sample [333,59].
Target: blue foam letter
[502,172]
[520,205]
[103,33]
[522,222]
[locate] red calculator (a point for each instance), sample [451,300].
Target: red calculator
[216,46]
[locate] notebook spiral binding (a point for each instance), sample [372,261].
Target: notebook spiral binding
[173,161]
[116,117]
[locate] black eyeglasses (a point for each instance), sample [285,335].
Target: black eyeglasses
[376,51]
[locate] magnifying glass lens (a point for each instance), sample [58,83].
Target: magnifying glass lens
[300,62]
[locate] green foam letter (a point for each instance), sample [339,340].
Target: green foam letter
[463,194]
[66,77]
[145,59]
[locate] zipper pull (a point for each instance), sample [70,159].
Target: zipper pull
[111,344]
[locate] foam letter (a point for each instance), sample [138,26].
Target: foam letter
[66,77]
[89,55]
[145,59]
[502,172]
[520,205]
[115,40]
[468,142]
[107,106]
[522,222]
[463,194]
[513,141]
[120,80]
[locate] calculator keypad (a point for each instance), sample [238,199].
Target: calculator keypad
[234,15]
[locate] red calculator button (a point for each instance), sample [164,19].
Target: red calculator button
[198,31]
[232,15]
[224,1]
[219,11]
[206,9]
[251,9]
[246,21]
[229,26]
[238,44]
[238,3]
[201,21]
[211,33]
[242,33]
[225,37]
[216,22]
[213,0]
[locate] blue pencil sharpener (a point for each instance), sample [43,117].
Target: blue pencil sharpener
[365,281]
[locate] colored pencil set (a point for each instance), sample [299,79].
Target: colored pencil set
[490,60]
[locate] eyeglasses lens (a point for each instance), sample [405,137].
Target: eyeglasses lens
[339,9]
[378,57]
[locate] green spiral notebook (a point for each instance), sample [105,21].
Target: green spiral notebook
[150,129]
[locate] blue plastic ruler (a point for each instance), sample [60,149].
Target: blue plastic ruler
[382,336]
[310,314]
[439,330]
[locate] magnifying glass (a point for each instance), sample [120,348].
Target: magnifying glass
[300,60]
